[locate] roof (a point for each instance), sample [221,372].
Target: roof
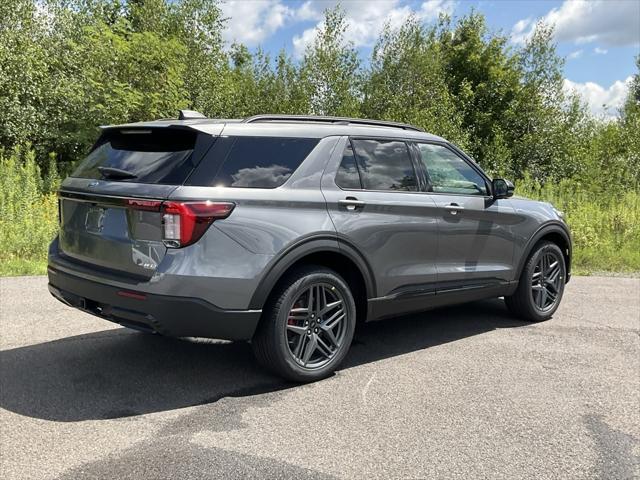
[290,125]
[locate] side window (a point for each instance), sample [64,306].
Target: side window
[385,165]
[348,176]
[252,162]
[448,173]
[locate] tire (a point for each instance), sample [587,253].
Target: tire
[534,300]
[285,323]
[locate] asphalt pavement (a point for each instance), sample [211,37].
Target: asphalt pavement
[466,392]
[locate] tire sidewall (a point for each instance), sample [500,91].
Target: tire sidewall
[544,248]
[287,298]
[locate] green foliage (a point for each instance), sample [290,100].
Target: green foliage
[28,212]
[329,70]
[145,79]
[605,226]
[483,77]
[406,83]
[23,71]
[68,66]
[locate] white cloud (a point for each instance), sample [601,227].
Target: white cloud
[300,42]
[431,9]
[600,51]
[309,11]
[521,30]
[610,22]
[251,21]
[576,54]
[603,102]
[366,18]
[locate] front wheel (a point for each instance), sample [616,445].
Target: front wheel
[541,284]
[308,325]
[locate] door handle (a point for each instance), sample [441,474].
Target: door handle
[351,203]
[454,208]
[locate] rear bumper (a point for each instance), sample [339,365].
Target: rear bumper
[165,314]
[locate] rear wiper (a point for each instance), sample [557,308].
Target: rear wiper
[111,172]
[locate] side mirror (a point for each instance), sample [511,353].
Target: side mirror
[502,188]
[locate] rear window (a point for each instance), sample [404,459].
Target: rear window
[141,155]
[385,165]
[251,162]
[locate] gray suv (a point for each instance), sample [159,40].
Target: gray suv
[288,231]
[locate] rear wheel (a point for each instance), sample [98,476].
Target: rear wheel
[541,284]
[308,325]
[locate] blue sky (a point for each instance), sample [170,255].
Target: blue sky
[598,38]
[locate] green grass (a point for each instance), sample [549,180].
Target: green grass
[605,226]
[28,214]
[589,261]
[11,267]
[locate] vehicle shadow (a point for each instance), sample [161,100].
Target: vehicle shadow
[118,373]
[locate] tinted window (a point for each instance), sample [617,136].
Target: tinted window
[254,162]
[448,173]
[348,176]
[385,165]
[146,156]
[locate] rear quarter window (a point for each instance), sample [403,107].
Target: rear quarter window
[348,177]
[251,162]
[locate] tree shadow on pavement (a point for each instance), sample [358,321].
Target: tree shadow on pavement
[119,373]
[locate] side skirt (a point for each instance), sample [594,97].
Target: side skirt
[421,299]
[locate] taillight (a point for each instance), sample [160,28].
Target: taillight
[183,223]
[141,204]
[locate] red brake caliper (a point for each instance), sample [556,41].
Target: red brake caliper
[292,320]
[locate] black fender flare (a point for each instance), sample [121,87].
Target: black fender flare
[549,227]
[316,244]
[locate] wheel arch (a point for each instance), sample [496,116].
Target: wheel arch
[555,233]
[328,252]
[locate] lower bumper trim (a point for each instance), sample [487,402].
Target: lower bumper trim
[165,314]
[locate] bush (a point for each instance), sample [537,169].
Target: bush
[28,212]
[605,225]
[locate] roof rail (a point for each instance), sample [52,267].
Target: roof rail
[326,119]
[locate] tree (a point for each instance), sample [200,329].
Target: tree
[329,70]
[67,66]
[483,77]
[543,125]
[630,126]
[406,82]
[23,72]
[198,24]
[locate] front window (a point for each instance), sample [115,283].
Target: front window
[448,173]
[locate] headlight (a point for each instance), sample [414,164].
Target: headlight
[560,213]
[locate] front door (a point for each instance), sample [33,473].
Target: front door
[476,240]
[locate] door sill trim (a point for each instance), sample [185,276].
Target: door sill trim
[424,298]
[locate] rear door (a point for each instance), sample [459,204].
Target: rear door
[110,205]
[374,199]
[476,240]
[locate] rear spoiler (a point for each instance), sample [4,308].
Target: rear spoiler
[209,127]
